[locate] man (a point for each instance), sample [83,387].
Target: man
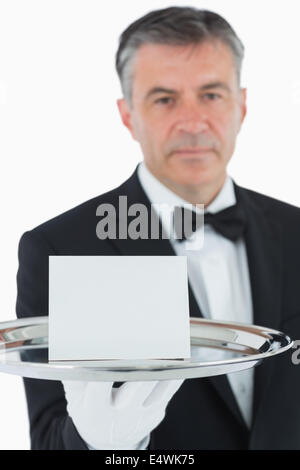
[180,75]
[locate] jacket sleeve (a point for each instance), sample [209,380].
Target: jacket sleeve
[50,425]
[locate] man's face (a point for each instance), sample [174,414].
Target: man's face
[187,109]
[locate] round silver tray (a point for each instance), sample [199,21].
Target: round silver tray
[216,348]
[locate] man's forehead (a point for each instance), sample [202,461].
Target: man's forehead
[168,55]
[209,62]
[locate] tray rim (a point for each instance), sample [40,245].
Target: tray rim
[186,365]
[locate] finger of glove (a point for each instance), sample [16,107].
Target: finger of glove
[163,392]
[133,392]
[73,386]
[99,391]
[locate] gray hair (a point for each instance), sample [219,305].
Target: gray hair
[174,26]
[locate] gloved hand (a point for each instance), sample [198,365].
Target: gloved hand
[117,418]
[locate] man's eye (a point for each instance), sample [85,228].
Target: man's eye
[212,96]
[164,100]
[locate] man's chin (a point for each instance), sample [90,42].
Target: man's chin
[194,176]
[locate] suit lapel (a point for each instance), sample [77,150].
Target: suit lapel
[263,239]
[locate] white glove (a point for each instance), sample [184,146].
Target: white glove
[117,418]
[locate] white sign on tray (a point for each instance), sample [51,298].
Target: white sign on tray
[118,307]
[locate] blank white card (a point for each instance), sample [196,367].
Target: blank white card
[118,307]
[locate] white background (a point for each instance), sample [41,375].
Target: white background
[62,141]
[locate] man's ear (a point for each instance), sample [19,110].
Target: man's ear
[243,106]
[126,116]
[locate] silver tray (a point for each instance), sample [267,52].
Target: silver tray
[216,348]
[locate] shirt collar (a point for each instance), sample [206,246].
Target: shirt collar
[158,193]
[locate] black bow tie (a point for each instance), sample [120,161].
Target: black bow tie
[230,222]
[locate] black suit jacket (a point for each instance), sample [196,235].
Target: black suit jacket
[203,414]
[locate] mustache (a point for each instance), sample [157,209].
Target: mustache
[192,141]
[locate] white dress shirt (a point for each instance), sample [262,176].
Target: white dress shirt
[218,274]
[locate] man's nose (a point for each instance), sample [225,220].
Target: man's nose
[192,126]
[192,121]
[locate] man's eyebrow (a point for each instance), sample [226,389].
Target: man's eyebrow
[158,89]
[207,86]
[211,85]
